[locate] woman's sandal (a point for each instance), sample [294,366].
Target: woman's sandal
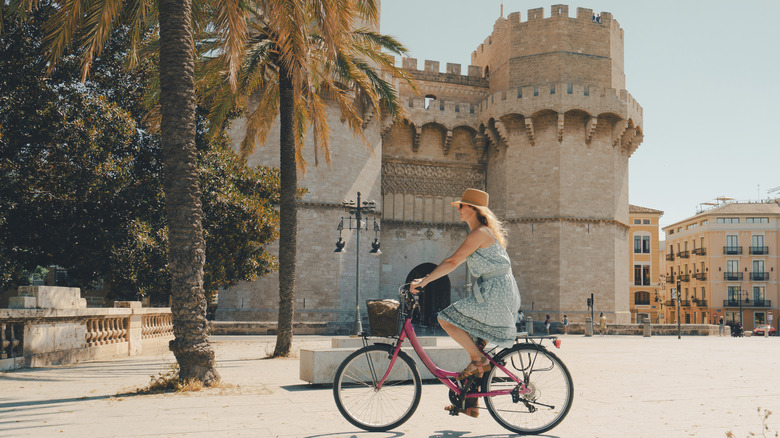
[475,368]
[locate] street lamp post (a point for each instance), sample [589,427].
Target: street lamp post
[679,317]
[747,301]
[358,209]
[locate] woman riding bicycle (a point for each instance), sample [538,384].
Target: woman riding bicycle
[490,313]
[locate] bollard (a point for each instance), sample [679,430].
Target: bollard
[588,327]
[529,326]
[647,327]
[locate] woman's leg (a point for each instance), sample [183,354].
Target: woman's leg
[463,338]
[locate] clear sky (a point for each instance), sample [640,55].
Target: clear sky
[707,74]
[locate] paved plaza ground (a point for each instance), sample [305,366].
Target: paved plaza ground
[625,386]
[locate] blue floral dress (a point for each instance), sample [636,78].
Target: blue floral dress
[489,314]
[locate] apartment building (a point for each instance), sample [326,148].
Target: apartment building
[646,290]
[725,262]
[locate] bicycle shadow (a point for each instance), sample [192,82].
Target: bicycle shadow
[437,434]
[463,434]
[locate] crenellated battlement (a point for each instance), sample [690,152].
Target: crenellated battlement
[556,48]
[453,73]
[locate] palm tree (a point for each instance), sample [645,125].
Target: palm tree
[299,55]
[92,21]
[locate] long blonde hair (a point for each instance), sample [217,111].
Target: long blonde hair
[487,218]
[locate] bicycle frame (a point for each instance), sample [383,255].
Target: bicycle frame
[442,375]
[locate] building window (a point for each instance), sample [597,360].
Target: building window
[728,220]
[637,221]
[759,295]
[642,298]
[732,266]
[757,220]
[646,221]
[641,244]
[705,222]
[733,295]
[642,275]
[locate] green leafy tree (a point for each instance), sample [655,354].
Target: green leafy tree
[298,57]
[88,25]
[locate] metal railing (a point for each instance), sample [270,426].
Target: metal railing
[732,276]
[759,250]
[701,276]
[748,303]
[683,254]
[759,276]
[685,277]
[732,250]
[700,251]
[670,257]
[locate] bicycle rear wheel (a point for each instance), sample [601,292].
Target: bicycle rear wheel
[371,408]
[550,396]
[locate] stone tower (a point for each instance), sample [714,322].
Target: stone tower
[561,129]
[541,120]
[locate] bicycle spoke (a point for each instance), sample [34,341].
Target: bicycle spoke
[357,396]
[544,398]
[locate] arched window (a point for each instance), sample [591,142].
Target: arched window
[428,99]
[642,298]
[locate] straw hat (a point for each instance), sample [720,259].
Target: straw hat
[473,197]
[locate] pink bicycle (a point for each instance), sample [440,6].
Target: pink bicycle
[378,387]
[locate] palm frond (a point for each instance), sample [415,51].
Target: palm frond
[61,27]
[230,23]
[260,120]
[97,27]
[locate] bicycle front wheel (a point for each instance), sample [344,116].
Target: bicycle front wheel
[545,402]
[371,408]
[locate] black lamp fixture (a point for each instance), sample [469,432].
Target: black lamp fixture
[375,244]
[340,244]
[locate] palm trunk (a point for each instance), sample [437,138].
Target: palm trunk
[186,245]
[288,220]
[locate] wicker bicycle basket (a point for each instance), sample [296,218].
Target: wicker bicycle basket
[384,317]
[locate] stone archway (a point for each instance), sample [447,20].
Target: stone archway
[436,296]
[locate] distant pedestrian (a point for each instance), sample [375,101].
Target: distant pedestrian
[565,324]
[721,326]
[594,17]
[602,324]
[598,18]
[547,324]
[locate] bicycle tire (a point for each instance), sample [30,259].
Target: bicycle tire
[358,400]
[551,385]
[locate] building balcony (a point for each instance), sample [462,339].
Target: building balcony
[684,254]
[759,250]
[759,276]
[701,276]
[670,257]
[732,250]
[670,279]
[732,276]
[700,251]
[700,303]
[750,303]
[685,277]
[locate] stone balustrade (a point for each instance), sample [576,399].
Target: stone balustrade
[157,325]
[43,331]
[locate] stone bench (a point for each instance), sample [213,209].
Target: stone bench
[319,366]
